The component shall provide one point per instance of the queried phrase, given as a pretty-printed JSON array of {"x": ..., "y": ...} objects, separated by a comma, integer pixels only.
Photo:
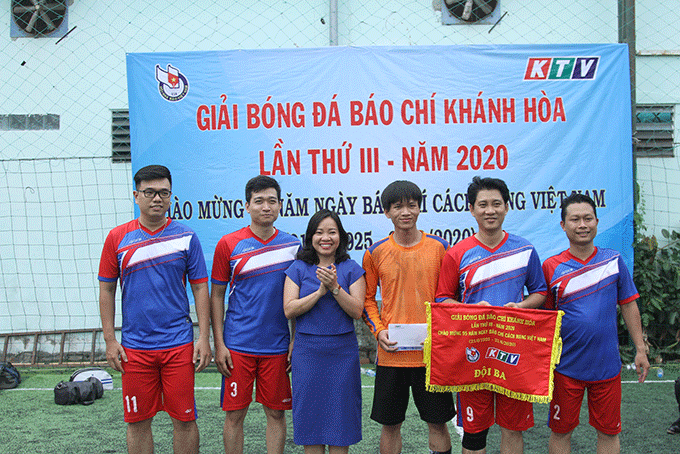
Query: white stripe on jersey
[
  {"x": 160, "y": 249},
  {"x": 270, "y": 258},
  {"x": 591, "y": 277},
  {"x": 501, "y": 266}
]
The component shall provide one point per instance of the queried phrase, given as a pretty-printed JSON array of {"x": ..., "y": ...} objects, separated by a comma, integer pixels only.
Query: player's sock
[{"x": 448, "y": 451}]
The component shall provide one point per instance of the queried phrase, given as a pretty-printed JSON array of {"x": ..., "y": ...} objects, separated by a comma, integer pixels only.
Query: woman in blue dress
[{"x": 324, "y": 292}]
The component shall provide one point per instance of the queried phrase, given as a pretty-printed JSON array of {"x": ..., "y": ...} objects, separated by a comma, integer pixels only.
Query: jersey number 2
[{"x": 556, "y": 415}]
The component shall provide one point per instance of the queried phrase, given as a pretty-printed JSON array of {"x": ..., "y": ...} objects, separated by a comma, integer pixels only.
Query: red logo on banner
[{"x": 537, "y": 69}]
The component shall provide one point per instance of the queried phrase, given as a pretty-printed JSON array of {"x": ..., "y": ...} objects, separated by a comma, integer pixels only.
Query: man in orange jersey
[{"x": 406, "y": 267}]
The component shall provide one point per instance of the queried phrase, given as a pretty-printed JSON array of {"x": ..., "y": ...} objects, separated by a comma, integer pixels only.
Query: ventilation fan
[
  {"x": 470, "y": 11},
  {"x": 39, "y": 18}
]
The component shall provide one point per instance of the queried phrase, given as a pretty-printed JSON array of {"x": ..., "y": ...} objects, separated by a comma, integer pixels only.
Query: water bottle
[
  {"x": 369, "y": 372},
  {"x": 659, "y": 372}
]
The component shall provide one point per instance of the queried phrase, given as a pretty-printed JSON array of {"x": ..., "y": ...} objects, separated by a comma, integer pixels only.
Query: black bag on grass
[
  {"x": 78, "y": 392},
  {"x": 97, "y": 372},
  {"x": 9, "y": 376}
]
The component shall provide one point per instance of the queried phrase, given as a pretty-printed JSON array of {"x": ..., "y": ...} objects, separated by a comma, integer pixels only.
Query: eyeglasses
[{"x": 150, "y": 193}]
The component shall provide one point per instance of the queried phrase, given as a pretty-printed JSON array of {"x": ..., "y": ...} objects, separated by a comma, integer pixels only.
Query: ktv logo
[
  {"x": 561, "y": 68},
  {"x": 504, "y": 357}
]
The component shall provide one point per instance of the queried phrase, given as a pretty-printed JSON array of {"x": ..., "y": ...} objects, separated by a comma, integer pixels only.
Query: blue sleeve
[
  {"x": 294, "y": 272},
  {"x": 535, "y": 277},
  {"x": 349, "y": 272},
  {"x": 355, "y": 272},
  {"x": 196, "y": 268},
  {"x": 626, "y": 286}
]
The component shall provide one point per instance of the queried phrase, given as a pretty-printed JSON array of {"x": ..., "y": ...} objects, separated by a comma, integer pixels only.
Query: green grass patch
[{"x": 33, "y": 423}]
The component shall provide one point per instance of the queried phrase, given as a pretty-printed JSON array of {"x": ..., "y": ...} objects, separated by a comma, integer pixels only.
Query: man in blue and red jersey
[
  {"x": 492, "y": 268},
  {"x": 153, "y": 256},
  {"x": 254, "y": 342},
  {"x": 588, "y": 283}
]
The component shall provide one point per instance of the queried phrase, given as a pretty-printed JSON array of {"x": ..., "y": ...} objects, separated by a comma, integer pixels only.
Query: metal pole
[
  {"x": 333, "y": 22},
  {"x": 627, "y": 35}
]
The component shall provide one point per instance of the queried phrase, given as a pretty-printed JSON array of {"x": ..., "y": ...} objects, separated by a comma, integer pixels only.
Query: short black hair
[
  {"x": 489, "y": 184},
  {"x": 308, "y": 254},
  {"x": 575, "y": 197},
  {"x": 260, "y": 183},
  {"x": 152, "y": 172},
  {"x": 400, "y": 190}
]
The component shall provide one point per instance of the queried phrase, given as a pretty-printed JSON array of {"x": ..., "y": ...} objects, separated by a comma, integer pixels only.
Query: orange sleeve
[{"x": 371, "y": 313}]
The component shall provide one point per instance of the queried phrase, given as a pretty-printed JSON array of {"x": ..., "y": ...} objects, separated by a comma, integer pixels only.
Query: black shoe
[{"x": 674, "y": 428}]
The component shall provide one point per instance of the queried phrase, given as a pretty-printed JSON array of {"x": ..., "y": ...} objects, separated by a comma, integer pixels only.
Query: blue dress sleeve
[{"x": 294, "y": 272}]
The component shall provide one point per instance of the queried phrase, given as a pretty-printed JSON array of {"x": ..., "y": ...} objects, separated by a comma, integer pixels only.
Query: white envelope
[{"x": 409, "y": 336}]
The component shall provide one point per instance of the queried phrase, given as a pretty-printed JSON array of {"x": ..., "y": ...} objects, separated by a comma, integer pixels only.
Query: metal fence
[{"x": 64, "y": 87}]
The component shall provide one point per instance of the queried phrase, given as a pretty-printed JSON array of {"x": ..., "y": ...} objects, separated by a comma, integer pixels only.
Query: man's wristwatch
[{"x": 336, "y": 290}]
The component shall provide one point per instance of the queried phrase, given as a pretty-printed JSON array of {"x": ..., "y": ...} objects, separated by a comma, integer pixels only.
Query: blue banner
[{"x": 335, "y": 125}]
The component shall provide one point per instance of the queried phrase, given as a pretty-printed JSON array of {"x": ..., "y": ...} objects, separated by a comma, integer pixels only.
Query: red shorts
[
  {"x": 156, "y": 380},
  {"x": 273, "y": 382},
  {"x": 476, "y": 411},
  {"x": 604, "y": 404}
]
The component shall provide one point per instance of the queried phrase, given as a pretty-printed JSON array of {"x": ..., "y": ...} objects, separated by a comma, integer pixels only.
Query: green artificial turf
[{"x": 33, "y": 423}]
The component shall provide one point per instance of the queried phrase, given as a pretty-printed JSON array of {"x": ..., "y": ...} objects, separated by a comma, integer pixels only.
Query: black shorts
[{"x": 390, "y": 397}]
